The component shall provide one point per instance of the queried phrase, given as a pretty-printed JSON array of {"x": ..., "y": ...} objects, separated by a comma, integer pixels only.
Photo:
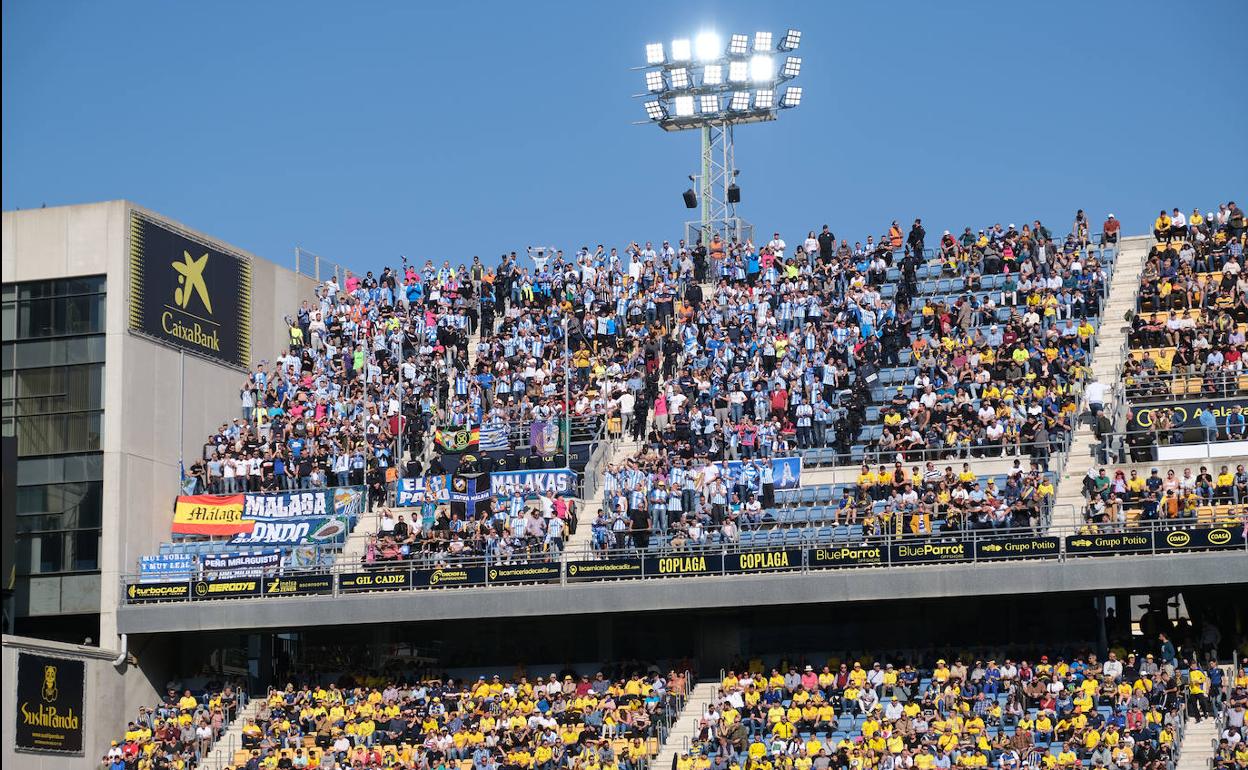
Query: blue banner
[
  {"x": 280, "y": 530},
  {"x": 786, "y": 472},
  {"x": 166, "y": 567},
  {"x": 412, "y": 492},
  {"x": 533, "y": 483}
]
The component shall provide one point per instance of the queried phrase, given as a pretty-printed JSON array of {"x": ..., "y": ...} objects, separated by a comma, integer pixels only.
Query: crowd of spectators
[
  {"x": 691, "y": 504},
  {"x": 573, "y": 722},
  {"x": 177, "y": 733},
  {"x": 516, "y": 526},
  {"x": 1231, "y": 750},
  {"x": 1193, "y": 308},
  {"x": 1216, "y": 493},
  {"x": 781, "y": 357},
  {"x": 1123, "y": 713}
]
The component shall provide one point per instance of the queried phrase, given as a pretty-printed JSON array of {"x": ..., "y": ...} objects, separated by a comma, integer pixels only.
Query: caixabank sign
[
  {"x": 50, "y": 695},
  {"x": 189, "y": 294}
]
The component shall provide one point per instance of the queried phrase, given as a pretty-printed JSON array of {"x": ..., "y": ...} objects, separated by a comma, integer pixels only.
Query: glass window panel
[
  {"x": 85, "y": 550},
  {"x": 8, "y": 321},
  {"x": 51, "y": 553},
  {"x": 58, "y": 433},
  {"x": 35, "y": 319}
]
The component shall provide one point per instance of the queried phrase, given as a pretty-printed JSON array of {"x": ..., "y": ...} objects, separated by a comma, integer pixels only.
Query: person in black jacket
[
  {"x": 915, "y": 239},
  {"x": 827, "y": 244}
]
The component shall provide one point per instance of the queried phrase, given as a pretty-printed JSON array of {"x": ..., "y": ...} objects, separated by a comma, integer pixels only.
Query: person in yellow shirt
[{"x": 1161, "y": 227}]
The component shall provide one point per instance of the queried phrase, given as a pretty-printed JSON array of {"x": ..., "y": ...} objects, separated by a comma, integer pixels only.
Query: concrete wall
[
  {"x": 150, "y": 389},
  {"x": 112, "y": 697},
  {"x": 868, "y": 584}
]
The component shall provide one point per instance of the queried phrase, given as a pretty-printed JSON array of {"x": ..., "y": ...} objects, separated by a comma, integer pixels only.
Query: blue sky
[{"x": 367, "y": 130}]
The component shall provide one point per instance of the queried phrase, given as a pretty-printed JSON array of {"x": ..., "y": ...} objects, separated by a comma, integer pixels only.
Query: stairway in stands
[
  {"x": 685, "y": 728},
  {"x": 222, "y": 754},
  {"x": 1199, "y": 740},
  {"x": 1106, "y": 367},
  {"x": 621, "y": 450}
]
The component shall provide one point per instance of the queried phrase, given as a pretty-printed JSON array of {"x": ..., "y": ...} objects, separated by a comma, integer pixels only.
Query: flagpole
[
  {"x": 399, "y": 454},
  {"x": 567, "y": 397}
]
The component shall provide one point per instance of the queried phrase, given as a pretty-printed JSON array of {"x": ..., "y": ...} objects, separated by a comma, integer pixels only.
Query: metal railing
[
  {"x": 963, "y": 547},
  {"x": 1192, "y": 382},
  {"x": 1176, "y": 444},
  {"x": 317, "y": 267},
  {"x": 999, "y": 450}
]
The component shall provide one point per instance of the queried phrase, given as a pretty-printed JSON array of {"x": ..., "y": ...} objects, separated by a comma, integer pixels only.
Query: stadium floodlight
[
  {"x": 712, "y": 83},
  {"x": 762, "y": 69},
  {"x": 708, "y": 46}
]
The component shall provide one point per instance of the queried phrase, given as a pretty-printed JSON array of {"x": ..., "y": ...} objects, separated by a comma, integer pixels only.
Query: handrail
[
  {"x": 1192, "y": 444},
  {"x": 875, "y": 455},
  {"x": 1060, "y": 543}
]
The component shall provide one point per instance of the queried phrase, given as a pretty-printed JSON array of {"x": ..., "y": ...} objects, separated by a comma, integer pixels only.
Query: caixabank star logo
[{"x": 189, "y": 293}]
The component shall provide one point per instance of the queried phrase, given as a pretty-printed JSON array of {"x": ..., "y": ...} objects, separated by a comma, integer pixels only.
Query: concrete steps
[
  {"x": 685, "y": 728},
  {"x": 1198, "y": 742},
  {"x": 587, "y": 510},
  {"x": 1106, "y": 368},
  {"x": 222, "y": 754}
]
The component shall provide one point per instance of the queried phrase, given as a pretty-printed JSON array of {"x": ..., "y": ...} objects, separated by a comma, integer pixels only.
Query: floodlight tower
[{"x": 703, "y": 84}]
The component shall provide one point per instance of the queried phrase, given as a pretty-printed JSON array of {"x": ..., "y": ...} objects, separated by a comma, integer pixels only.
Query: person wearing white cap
[{"x": 1109, "y": 230}]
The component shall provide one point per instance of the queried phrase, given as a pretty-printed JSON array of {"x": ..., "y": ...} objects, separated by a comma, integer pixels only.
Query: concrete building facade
[{"x": 153, "y": 404}]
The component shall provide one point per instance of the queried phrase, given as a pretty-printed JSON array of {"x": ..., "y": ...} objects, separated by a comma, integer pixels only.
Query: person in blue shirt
[
  {"x": 1235, "y": 427},
  {"x": 1209, "y": 422}
]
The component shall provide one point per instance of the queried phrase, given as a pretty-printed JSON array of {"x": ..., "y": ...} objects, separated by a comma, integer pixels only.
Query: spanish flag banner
[
  {"x": 457, "y": 439},
  {"x": 210, "y": 515}
]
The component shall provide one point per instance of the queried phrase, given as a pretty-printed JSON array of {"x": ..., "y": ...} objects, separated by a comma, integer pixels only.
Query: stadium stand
[
  {"x": 179, "y": 732},
  {"x": 990, "y": 366},
  {"x": 573, "y": 721},
  {"x": 1214, "y": 495},
  {"x": 966, "y": 405},
  {"x": 1187, "y": 338},
  {"x": 1126, "y": 712}
]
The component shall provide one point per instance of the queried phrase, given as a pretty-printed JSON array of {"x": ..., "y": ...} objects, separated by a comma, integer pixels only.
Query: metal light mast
[{"x": 706, "y": 86}]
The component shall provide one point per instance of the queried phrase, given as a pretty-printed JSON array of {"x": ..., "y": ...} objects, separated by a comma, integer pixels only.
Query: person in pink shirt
[{"x": 660, "y": 412}]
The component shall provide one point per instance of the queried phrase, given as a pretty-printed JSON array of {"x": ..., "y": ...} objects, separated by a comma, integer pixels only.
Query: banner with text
[
  {"x": 533, "y": 483},
  {"x": 259, "y": 563},
  {"x": 281, "y": 530},
  {"x": 188, "y": 293},
  {"x": 209, "y": 515},
  {"x": 167, "y": 567},
  {"x": 48, "y": 709}
]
